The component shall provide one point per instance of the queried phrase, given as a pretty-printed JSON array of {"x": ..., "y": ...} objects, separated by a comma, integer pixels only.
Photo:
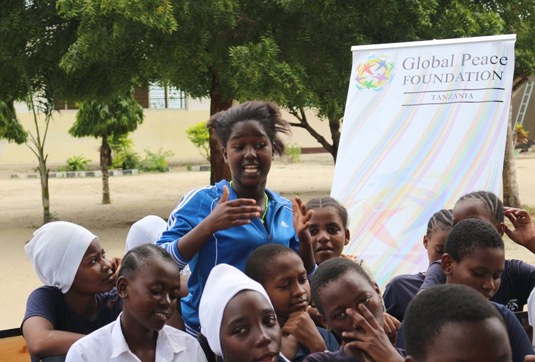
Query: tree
[
  {"x": 37, "y": 143},
  {"x": 191, "y": 52},
  {"x": 33, "y": 39},
  {"x": 308, "y": 66},
  {"x": 294, "y": 52},
  {"x": 10, "y": 128},
  {"x": 116, "y": 117},
  {"x": 519, "y": 18},
  {"x": 305, "y": 61}
]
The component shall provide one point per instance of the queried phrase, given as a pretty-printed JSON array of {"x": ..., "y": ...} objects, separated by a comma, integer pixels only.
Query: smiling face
[
  {"x": 249, "y": 329},
  {"x": 347, "y": 291},
  {"x": 95, "y": 273},
  {"x": 470, "y": 341},
  {"x": 481, "y": 270},
  {"x": 149, "y": 295},
  {"x": 328, "y": 234},
  {"x": 287, "y": 285},
  {"x": 249, "y": 152}
]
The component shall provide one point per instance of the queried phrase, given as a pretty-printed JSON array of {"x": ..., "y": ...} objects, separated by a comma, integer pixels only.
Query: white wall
[{"x": 163, "y": 129}]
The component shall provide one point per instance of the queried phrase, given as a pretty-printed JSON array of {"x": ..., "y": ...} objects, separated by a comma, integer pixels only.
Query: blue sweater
[{"x": 231, "y": 246}]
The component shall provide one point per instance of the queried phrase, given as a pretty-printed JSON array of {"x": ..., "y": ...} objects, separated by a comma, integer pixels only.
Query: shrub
[
  {"x": 123, "y": 155},
  {"x": 293, "y": 153},
  {"x": 127, "y": 161},
  {"x": 156, "y": 161},
  {"x": 75, "y": 163},
  {"x": 200, "y": 136}
]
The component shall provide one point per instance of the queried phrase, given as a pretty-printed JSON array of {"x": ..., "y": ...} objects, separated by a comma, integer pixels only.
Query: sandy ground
[{"x": 78, "y": 200}]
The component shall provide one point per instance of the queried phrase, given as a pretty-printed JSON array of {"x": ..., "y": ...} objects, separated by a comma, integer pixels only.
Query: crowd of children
[{"x": 268, "y": 280}]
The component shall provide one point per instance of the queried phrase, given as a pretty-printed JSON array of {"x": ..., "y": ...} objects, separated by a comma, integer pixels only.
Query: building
[{"x": 168, "y": 113}]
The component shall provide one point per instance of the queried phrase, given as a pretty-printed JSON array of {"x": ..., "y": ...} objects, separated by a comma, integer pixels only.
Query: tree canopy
[
  {"x": 116, "y": 117},
  {"x": 294, "y": 52}
]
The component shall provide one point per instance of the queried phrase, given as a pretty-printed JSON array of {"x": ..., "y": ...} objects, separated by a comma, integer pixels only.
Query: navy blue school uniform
[
  {"x": 400, "y": 291},
  {"x": 518, "y": 280},
  {"x": 49, "y": 303}
]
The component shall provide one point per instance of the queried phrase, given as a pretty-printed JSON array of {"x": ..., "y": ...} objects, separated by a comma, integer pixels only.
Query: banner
[{"x": 425, "y": 123}]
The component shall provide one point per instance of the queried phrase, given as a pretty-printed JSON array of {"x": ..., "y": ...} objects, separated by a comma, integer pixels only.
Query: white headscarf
[
  {"x": 145, "y": 231},
  {"x": 223, "y": 283},
  {"x": 56, "y": 251}
]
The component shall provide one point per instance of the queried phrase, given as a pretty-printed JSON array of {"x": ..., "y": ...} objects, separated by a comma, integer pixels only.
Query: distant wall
[
  {"x": 163, "y": 129},
  {"x": 529, "y": 119}
]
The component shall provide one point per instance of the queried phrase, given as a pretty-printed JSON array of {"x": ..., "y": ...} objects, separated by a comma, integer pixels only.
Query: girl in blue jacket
[{"x": 225, "y": 222}]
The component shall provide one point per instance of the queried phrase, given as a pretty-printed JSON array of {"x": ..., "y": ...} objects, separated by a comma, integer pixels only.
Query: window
[
  {"x": 61, "y": 105},
  {"x": 162, "y": 97}
]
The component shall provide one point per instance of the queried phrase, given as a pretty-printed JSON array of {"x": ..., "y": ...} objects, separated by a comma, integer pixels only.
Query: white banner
[{"x": 425, "y": 123}]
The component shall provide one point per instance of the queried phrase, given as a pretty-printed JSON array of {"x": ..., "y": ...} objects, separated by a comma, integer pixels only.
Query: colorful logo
[{"x": 375, "y": 74}]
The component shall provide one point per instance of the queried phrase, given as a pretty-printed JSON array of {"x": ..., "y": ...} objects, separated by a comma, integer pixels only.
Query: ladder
[
  {"x": 526, "y": 96},
  {"x": 524, "y": 103}
]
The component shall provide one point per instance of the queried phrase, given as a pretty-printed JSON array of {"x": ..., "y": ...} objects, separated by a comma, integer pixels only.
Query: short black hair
[
  {"x": 266, "y": 113},
  {"x": 435, "y": 307},
  {"x": 441, "y": 220},
  {"x": 321, "y": 202},
  {"x": 490, "y": 200},
  {"x": 137, "y": 257},
  {"x": 330, "y": 270},
  {"x": 260, "y": 261},
  {"x": 469, "y": 234}
]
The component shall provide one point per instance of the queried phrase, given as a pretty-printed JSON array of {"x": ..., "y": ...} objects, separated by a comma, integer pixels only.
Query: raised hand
[
  {"x": 301, "y": 221},
  {"x": 232, "y": 213},
  {"x": 524, "y": 232},
  {"x": 301, "y": 218},
  {"x": 225, "y": 215}
]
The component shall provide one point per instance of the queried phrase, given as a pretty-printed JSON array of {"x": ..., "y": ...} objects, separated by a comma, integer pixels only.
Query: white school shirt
[
  {"x": 108, "y": 344},
  {"x": 531, "y": 312}
]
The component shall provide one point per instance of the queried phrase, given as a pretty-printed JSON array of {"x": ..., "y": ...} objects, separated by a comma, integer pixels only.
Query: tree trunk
[
  {"x": 219, "y": 169},
  {"x": 334, "y": 126},
  {"x": 510, "y": 185},
  {"x": 45, "y": 196},
  {"x": 105, "y": 162}
]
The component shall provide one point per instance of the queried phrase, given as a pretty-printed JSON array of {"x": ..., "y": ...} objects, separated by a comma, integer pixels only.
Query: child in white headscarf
[
  {"x": 237, "y": 318},
  {"x": 76, "y": 298},
  {"x": 145, "y": 231}
]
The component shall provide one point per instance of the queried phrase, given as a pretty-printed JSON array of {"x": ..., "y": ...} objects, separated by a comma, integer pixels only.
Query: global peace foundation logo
[{"x": 375, "y": 74}]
